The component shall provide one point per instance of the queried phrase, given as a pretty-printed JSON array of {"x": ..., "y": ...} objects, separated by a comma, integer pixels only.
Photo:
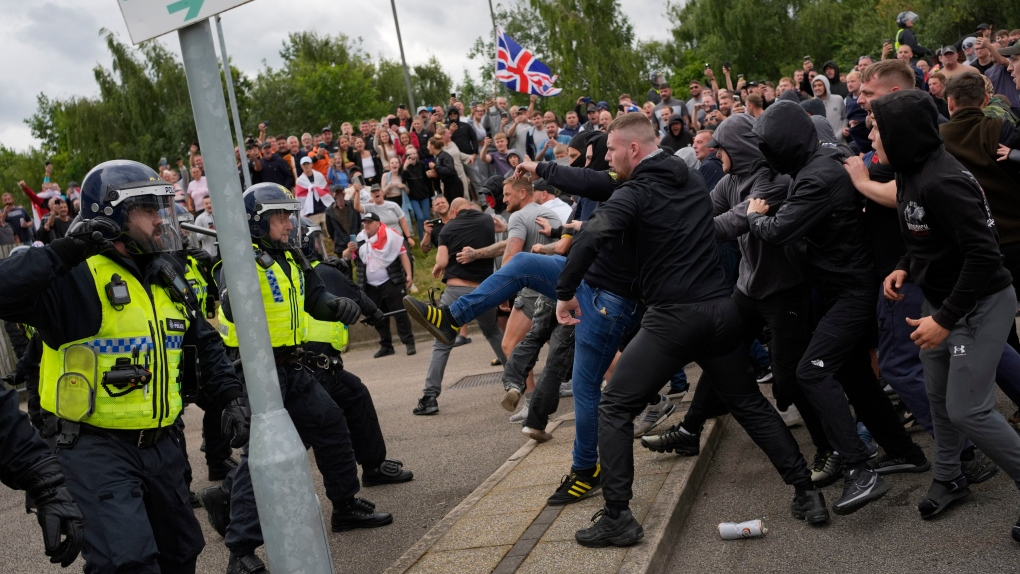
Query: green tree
[
  {"x": 323, "y": 79},
  {"x": 431, "y": 83},
  {"x": 143, "y": 112}
]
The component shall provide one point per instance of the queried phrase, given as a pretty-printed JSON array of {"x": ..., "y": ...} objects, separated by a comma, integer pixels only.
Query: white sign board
[{"x": 147, "y": 19}]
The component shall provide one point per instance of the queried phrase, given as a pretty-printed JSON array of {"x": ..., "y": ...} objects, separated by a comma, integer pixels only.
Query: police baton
[{"x": 196, "y": 229}]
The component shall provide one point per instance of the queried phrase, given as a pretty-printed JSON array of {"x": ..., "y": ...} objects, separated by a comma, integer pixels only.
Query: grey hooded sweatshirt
[
  {"x": 765, "y": 268},
  {"x": 835, "y": 109}
]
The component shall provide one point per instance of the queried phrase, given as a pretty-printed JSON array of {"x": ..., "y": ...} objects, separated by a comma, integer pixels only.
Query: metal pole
[
  {"x": 400, "y": 42},
  {"x": 291, "y": 518},
  {"x": 229, "y": 74},
  {"x": 495, "y": 48}
]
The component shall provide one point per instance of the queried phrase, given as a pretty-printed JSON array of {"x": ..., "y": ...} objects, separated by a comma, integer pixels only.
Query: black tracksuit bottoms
[
  {"x": 672, "y": 335},
  {"x": 788, "y": 316},
  {"x": 836, "y": 367}
]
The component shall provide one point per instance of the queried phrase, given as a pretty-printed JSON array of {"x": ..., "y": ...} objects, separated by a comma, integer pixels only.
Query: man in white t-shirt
[
  {"x": 384, "y": 272},
  {"x": 312, "y": 190},
  {"x": 205, "y": 219},
  {"x": 545, "y": 196}
]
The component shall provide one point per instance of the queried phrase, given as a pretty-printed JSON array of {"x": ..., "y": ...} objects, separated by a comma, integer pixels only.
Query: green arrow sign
[{"x": 192, "y": 6}]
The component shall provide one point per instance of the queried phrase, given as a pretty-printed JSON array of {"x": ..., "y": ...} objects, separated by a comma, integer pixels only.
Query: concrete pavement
[{"x": 886, "y": 536}]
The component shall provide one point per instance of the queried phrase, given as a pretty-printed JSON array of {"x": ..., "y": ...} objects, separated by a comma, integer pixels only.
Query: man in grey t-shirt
[{"x": 522, "y": 234}]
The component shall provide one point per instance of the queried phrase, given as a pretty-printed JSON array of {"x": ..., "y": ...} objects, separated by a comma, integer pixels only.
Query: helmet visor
[
  {"x": 150, "y": 224},
  {"x": 314, "y": 246}
]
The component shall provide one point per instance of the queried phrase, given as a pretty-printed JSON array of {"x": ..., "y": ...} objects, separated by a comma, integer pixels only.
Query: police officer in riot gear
[
  {"x": 290, "y": 288},
  {"x": 325, "y": 341},
  {"x": 115, "y": 318}
]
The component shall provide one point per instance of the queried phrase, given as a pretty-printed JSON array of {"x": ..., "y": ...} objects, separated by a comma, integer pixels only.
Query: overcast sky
[{"x": 53, "y": 45}]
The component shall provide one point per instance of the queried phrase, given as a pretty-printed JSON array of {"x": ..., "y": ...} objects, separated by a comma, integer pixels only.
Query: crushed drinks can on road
[{"x": 738, "y": 530}]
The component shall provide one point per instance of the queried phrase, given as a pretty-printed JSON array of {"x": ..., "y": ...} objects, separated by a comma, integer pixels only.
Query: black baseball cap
[
  {"x": 369, "y": 216},
  {"x": 982, "y": 26},
  {"x": 327, "y": 129},
  {"x": 267, "y": 144},
  {"x": 950, "y": 49}
]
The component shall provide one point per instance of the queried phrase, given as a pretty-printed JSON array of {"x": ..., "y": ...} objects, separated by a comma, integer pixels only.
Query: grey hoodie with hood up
[
  {"x": 835, "y": 108},
  {"x": 765, "y": 268}
]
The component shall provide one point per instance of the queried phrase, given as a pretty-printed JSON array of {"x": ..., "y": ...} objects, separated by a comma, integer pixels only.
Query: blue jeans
[
  {"x": 605, "y": 318},
  {"x": 421, "y": 210},
  {"x": 539, "y": 272},
  {"x": 898, "y": 356}
]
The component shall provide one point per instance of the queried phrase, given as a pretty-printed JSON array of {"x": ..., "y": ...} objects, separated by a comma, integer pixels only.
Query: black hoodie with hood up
[
  {"x": 765, "y": 269},
  {"x": 952, "y": 244},
  {"x": 822, "y": 208},
  {"x": 676, "y": 142},
  {"x": 835, "y": 86}
]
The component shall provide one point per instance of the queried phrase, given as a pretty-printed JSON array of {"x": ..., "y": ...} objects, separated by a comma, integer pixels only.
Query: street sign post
[
  {"x": 147, "y": 19},
  {"x": 289, "y": 511}
]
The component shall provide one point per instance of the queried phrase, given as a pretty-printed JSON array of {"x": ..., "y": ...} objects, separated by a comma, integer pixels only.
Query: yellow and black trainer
[
  {"x": 435, "y": 318},
  {"x": 576, "y": 485}
]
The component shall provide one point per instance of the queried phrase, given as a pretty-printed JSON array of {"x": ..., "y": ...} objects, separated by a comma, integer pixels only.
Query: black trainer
[
  {"x": 410, "y": 349},
  {"x": 358, "y": 513},
  {"x": 219, "y": 470},
  {"x": 860, "y": 486},
  {"x": 886, "y": 464},
  {"x": 1016, "y": 531},
  {"x": 217, "y": 507},
  {"x": 622, "y": 531},
  {"x": 389, "y": 472},
  {"x": 426, "y": 406},
  {"x": 978, "y": 469},
  {"x": 193, "y": 500},
  {"x": 576, "y": 485},
  {"x": 941, "y": 495},
  {"x": 435, "y": 318},
  {"x": 247, "y": 564},
  {"x": 810, "y": 506},
  {"x": 383, "y": 352},
  {"x": 674, "y": 440}
]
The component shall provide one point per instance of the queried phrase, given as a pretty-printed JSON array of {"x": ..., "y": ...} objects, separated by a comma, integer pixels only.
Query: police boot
[
  {"x": 219, "y": 470},
  {"x": 217, "y": 505},
  {"x": 358, "y": 513},
  {"x": 247, "y": 564}
]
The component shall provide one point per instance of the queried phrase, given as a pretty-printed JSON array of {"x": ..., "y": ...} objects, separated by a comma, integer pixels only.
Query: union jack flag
[{"x": 520, "y": 71}]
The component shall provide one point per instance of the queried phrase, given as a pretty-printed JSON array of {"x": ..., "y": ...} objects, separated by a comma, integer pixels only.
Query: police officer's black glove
[
  {"x": 345, "y": 310},
  {"x": 375, "y": 318},
  {"x": 202, "y": 256},
  {"x": 58, "y": 514},
  {"x": 236, "y": 421},
  {"x": 86, "y": 238},
  {"x": 11, "y": 380}
]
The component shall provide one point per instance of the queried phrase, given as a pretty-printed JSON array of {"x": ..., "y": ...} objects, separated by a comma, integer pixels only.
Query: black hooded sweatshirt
[
  {"x": 676, "y": 142},
  {"x": 664, "y": 216},
  {"x": 835, "y": 86},
  {"x": 823, "y": 208},
  {"x": 952, "y": 244}
]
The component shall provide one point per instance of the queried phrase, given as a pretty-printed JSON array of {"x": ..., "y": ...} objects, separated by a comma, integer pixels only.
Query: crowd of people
[
  {"x": 852, "y": 239},
  {"x": 836, "y": 218}
]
